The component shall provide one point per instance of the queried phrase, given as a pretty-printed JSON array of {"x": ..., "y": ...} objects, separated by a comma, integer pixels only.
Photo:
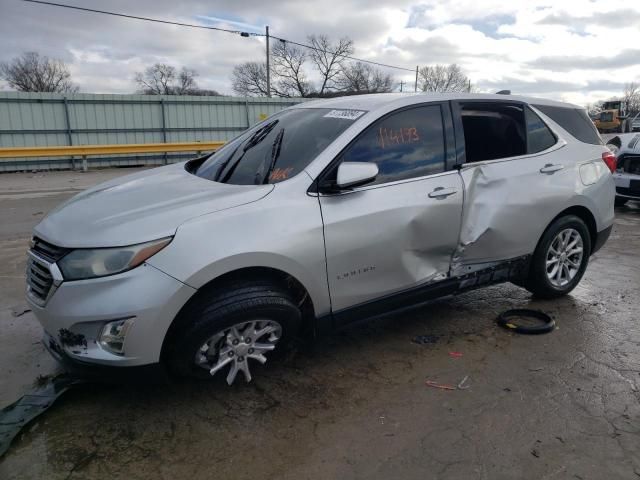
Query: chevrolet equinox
[{"x": 324, "y": 214}]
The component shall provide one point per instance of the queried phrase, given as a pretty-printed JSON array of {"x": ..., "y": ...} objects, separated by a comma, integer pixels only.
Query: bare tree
[
  {"x": 32, "y": 72},
  {"x": 163, "y": 79},
  {"x": 250, "y": 79},
  {"x": 361, "y": 77},
  {"x": 287, "y": 62},
  {"x": 443, "y": 78},
  {"x": 157, "y": 79},
  {"x": 631, "y": 96},
  {"x": 186, "y": 81},
  {"x": 329, "y": 58}
]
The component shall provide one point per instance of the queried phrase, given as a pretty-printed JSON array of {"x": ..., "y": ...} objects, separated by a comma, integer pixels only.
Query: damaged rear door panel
[{"x": 509, "y": 201}]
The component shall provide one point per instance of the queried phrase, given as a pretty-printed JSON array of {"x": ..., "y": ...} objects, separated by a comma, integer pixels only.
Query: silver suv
[{"x": 324, "y": 214}]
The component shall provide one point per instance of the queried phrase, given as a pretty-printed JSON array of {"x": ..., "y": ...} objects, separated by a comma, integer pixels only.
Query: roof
[{"x": 375, "y": 101}]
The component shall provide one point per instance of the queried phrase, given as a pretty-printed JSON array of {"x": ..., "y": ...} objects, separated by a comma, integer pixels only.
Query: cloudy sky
[{"x": 572, "y": 50}]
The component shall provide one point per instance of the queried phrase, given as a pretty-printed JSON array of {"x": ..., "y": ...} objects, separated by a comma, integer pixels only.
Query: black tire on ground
[
  {"x": 238, "y": 303},
  {"x": 537, "y": 282},
  {"x": 620, "y": 201}
]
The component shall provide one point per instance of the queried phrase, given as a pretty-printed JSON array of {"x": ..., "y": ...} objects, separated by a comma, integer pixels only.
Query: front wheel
[
  {"x": 231, "y": 331},
  {"x": 560, "y": 259}
]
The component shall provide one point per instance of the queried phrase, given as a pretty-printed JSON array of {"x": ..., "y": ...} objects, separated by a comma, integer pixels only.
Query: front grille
[
  {"x": 629, "y": 163},
  {"x": 39, "y": 279},
  {"x": 48, "y": 250}
]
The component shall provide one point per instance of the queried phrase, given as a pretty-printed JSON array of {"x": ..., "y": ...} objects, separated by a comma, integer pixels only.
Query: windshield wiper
[
  {"x": 254, "y": 140},
  {"x": 275, "y": 154}
]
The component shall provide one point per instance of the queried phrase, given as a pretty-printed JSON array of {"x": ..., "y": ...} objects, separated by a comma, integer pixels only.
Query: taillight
[{"x": 610, "y": 159}]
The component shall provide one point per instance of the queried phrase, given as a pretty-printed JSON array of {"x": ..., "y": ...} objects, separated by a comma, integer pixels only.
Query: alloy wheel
[
  {"x": 564, "y": 257},
  {"x": 236, "y": 345}
]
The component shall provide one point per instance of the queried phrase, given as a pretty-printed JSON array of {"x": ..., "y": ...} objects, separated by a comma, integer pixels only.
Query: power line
[
  {"x": 147, "y": 19},
  {"x": 236, "y": 32},
  {"x": 339, "y": 55}
]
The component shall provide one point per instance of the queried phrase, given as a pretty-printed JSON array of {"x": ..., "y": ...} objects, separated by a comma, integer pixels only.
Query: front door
[{"x": 401, "y": 230}]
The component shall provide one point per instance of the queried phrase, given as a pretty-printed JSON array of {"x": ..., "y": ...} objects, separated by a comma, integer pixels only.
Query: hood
[{"x": 140, "y": 207}]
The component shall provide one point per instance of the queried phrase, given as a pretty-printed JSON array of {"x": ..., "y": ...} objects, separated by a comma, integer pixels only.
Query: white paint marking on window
[{"x": 345, "y": 114}]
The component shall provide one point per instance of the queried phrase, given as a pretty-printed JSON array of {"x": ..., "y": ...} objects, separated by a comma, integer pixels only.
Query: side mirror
[{"x": 354, "y": 174}]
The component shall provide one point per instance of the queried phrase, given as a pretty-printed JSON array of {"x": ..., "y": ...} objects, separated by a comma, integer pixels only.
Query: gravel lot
[{"x": 355, "y": 404}]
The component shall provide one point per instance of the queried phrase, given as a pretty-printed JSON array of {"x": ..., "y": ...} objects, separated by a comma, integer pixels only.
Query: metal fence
[{"x": 48, "y": 119}]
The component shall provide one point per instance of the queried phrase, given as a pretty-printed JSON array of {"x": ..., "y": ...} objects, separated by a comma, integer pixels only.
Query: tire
[
  {"x": 619, "y": 202},
  {"x": 239, "y": 304},
  {"x": 539, "y": 281}
]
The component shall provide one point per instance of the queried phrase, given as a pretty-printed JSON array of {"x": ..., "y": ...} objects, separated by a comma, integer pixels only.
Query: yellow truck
[{"x": 613, "y": 118}]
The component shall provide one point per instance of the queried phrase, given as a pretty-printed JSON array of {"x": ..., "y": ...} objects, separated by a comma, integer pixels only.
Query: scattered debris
[
  {"x": 425, "y": 339},
  {"x": 20, "y": 310},
  {"x": 443, "y": 386},
  {"x": 535, "y": 453},
  {"x": 440, "y": 386},
  {"x": 524, "y": 320},
  {"x": 16, "y": 416},
  {"x": 536, "y": 369},
  {"x": 456, "y": 354}
]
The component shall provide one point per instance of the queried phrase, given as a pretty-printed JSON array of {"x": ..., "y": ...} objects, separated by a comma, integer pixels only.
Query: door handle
[
  {"x": 550, "y": 168},
  {"x": 441, "y": 192}
]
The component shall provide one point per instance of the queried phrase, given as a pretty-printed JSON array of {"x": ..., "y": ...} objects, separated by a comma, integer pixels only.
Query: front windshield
[{"x": 278, "y": 148}]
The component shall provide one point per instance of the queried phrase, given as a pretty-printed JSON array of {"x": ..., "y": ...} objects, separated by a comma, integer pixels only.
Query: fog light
[{"x": 113, "y": 335}]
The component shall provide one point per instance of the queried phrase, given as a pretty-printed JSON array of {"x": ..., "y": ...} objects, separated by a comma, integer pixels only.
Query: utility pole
[
  {"x": 415, "y": 88},
  {"x": 401, "y": 84},
  {"x": 268, "y": 64}
]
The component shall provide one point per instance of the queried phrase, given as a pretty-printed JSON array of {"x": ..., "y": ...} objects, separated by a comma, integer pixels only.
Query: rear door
[
  {"x": 401, "y": 230},
  {"x": 514, "y": 175}
]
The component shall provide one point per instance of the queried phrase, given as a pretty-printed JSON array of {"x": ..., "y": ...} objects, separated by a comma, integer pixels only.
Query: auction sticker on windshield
[{"x": 345, "y": 114}]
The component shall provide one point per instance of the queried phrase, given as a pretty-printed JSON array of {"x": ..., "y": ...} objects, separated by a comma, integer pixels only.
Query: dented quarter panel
[{"x": 387, "y": 238}]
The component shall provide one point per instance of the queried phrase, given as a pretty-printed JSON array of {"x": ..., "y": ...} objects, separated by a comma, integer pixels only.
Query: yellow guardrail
[{"x": 88, "y": 150}]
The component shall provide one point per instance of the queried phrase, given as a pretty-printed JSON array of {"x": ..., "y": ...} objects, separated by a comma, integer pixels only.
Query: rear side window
[
  {"x": 573, "y": 120},
  {"x": 539, "y": 137},
  {"x": 493, "y": 130},
  {"x": 406, "y": 144}
]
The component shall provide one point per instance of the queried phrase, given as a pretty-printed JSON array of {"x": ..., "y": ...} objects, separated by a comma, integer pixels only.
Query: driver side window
[{"x": 406, "y": 144}]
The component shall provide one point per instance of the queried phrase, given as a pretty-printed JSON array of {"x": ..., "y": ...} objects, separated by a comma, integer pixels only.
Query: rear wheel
[
  {"x": 560, "y": 259},
  {"x": 233, "y": 331}
]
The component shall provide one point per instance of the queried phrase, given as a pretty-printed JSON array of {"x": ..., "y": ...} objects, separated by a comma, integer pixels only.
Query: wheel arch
[
  {"x": 584, "y": 214},
  {"x": 235, "y": 277}
]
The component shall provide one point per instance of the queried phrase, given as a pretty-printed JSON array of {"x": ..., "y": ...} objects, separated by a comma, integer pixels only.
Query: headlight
[{"x": 91, "y": 263}]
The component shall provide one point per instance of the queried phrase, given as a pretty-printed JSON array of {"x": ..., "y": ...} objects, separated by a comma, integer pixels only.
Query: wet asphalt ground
[{"x": 565, "y": 405}]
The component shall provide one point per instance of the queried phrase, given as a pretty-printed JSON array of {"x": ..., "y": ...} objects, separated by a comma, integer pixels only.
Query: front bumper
[
  {"x": 153, "y": 373},
  {"x": 81, "y": 308}
]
